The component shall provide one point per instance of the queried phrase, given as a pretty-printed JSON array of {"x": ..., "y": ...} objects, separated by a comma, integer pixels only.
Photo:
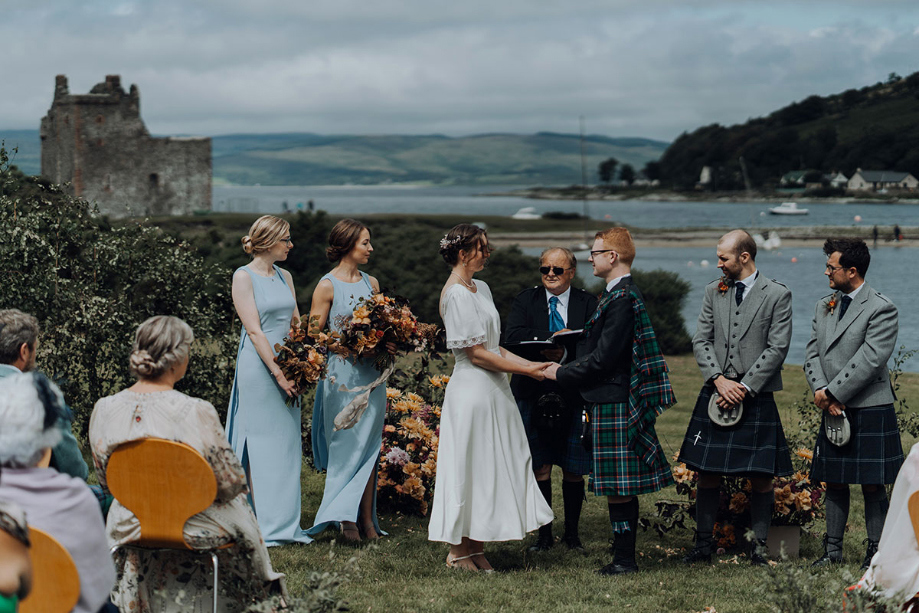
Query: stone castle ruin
[{"x": 98, "y": 143}]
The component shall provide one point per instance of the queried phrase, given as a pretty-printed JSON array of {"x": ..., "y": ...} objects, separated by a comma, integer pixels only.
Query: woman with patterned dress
[
  {"x": 486, "y": 490},
  {"x": 351, "y": 456},
  {"x": 151, "y": 408},
  {"x": 15, "y": 562},
  {"x": 263, "y": 430}
]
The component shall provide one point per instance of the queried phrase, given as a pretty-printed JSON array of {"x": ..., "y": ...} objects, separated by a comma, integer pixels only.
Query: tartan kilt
[
  {"x": 565, "y": 451},
  {"x": 873, "y": 456},
  {"x": 755, "y": 446},
  {"x": 617, "y": 470}
]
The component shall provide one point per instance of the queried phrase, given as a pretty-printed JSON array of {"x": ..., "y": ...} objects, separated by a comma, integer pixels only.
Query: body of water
[{"x": 352, "y": 200}]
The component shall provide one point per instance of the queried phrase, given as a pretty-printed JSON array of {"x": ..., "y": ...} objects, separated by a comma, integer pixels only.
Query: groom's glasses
[{"x": 556, "y": 270}]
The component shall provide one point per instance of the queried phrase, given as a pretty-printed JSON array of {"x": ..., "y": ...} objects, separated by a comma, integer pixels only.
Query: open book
[{"x": 532, "y": 350}]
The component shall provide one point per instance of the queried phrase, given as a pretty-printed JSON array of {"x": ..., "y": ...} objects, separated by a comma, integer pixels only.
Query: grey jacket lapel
[
  {"x": 854, "y": 310},
  {"x": 751, "y": 304},
  {"x": 722, "y": 308}
]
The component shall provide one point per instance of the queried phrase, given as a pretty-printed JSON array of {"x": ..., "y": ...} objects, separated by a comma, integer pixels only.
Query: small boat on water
[
  {"x": 788, "y": 208},
  {"x": 527, "y": 212}
]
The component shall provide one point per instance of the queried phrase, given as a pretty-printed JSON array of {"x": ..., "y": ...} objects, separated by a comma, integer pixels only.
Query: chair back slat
[
  {"x": 163, "y": 483},
  {"x": 55, "y": 581}
]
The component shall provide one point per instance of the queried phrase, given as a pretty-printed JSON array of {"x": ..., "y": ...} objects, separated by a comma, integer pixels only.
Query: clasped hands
[
  {"x": 730, "y": 392},
  {"x": 825, "y": 400}
]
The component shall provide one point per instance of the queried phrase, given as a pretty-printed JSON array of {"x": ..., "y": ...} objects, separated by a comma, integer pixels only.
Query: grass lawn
[{"x": 406, "y": 572}]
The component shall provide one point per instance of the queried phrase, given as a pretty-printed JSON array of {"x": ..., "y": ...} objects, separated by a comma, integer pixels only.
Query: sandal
[
  {"x": 350, "y": 532},
  {"x": 452, "y": 562},
  {"x": 368, "y": 530},
  {"x": 487, "y": 571}
]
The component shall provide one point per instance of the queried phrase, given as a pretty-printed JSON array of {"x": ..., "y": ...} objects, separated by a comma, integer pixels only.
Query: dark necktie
[
  {"x": 556, "y": 322},
  {"x": 844, "y": 306},
  {"x": 738, "y": 292}
]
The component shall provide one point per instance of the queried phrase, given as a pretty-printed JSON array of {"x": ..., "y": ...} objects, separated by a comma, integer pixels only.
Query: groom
[{"x": 621, "y": 373}]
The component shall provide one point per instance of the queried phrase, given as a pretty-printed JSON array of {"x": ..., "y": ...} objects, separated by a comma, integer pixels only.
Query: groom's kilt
[
  {"x": 872, "y": 456},
  {"x": 755, "y": 446},
  {"x": 619, "y": 471}
]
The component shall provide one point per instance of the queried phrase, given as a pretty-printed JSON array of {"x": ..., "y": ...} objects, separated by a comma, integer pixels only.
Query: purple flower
[{"x": 397, "y": 457}]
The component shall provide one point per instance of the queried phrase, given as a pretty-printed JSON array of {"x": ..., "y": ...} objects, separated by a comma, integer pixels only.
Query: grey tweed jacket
[
  {"x": 754, "y": 336},
  {"x": 849, "y": 356}
]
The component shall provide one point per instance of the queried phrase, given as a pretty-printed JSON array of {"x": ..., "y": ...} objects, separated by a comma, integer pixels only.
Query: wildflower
[
  {"x": 397, "y": 457},
  {"x": 739, "y": 503},
  {"x": 805, "y": 454},
  {"x": 393, "y": 394}
]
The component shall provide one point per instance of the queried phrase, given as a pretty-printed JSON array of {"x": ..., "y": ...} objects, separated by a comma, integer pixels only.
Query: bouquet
[
  {"x": 303, "y": 356},
  {"x": 382, "y": 319}
]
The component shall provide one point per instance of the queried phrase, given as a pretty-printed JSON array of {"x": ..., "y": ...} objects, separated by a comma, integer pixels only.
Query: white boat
[
  {"x": 527, "y": 212},
  {"x": 788, "y": 208}
]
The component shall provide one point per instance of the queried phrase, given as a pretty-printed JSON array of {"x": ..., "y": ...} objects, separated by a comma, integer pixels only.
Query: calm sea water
[
  {"x": 351, "y": 200},
  {"x": 804, "y": 276}
]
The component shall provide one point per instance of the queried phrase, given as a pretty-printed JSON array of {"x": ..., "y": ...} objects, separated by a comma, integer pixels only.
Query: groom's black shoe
[
  {"x": 619, "y": 569},
  {"x": 545, "y": 540}
]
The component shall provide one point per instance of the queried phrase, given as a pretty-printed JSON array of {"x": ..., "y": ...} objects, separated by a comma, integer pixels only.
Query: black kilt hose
[
  {"x": 754, "y": 447},
  {"x": 872, "y": 456},
  {"x": 564, "y": 448}
]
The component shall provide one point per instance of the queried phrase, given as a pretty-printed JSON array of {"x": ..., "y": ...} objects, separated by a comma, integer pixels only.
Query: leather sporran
[
  {"x": 723, "y": 417},
  {"x": 837, "y": 428},
  {"x": 551, "y": 416}
]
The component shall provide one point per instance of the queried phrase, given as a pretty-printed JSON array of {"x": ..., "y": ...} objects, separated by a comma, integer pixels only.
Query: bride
[{"x": 485, "y": 488}]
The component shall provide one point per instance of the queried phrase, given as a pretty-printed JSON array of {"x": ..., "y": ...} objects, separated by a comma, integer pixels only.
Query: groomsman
[
  {"x": 854, "y": 333},
  {"x": 740, "y": 344},
  {"x": 537, "y": 314},
  {"x": 621, "y": 373}
]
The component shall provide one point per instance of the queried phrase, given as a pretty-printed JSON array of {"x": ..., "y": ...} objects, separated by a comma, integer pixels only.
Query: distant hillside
[
  {"x": 310, "y": 159},
  {"x": 873, "y": 128},
  {"x": 313, "y": 159}
]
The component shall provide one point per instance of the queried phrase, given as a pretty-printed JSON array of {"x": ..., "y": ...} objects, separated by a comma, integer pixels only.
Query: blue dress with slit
[
  {"x": 349, "y": 457},
  {"x": 263, "y": 431}
]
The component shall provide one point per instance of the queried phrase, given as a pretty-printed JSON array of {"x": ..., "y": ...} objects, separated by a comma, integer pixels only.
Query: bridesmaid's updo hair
[
  {"x": 463, "y": 237},
  {"x": 159, "y": 343},
  {"x": 343, "y": 238},
  {"x": 265, "y": 233}
]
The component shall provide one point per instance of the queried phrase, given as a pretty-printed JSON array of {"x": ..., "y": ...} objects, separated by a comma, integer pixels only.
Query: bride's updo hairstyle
[
  {"x": 343, "y": 238},
  {"x": 463, "y": 237},
  {"x": 265, "y": 233},
  {"x": 159, "y": 343}
]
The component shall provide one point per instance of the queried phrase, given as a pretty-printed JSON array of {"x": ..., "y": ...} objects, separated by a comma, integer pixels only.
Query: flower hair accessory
[{"x": 448, "y": 242}]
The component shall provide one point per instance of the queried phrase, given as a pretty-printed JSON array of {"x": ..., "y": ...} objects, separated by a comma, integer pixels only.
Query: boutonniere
[
  {"x": 830, "y": 305},
  {"x": 723, "y": 285}
]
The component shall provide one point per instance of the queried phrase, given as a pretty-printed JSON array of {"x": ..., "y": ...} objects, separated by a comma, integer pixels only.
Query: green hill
[
  {"x": 873, "y": 128},
  {"x": 312, "y": 159}
]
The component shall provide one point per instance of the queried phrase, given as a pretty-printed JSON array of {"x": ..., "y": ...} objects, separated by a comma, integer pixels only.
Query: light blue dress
[
  {"x": 263, "y": 431},
  {"x": 350, "y": 456}
]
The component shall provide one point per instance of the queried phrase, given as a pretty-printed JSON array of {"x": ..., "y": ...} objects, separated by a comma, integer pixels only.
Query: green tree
[
  {"x": 627, "y": 174},
  {"x": 652, "y": 171},
  {"x": 607, "y": 170}
]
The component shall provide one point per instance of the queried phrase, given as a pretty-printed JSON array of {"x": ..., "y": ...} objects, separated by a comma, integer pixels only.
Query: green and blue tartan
[{"x": 628, "y": 459}]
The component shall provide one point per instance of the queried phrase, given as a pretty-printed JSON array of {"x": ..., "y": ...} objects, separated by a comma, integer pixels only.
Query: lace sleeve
[{"x": 462, "y": 322}]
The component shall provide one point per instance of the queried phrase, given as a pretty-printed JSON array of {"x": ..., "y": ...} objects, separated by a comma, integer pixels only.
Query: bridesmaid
[
  {"x": 263, "y": 430},
  {"x": 351, "y": 456}
]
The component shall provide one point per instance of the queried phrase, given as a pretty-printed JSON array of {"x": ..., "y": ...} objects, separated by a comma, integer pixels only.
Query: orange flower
[
  {"x": 392, "y": 393},
  {"x": 805, "y": 454},
  {"x": 681, "y": 474},
  {"x": 803, "y": 501},
  {"x": 739, "y": 503},
  {"x": 722, "y": 285},
  {"x": 415, "y": 398},
  {"x": 831, "y": 305},
  {"x": 389, "y": 428},
  {"x": 361, "y": 315}
]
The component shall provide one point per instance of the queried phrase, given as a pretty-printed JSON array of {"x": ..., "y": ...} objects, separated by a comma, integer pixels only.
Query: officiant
[{"x": 551, "y": 416}]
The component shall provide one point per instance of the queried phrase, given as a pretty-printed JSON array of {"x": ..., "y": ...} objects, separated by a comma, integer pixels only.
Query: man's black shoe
[
  {"x": 544, "y": 542},
  {"x": 618, "y": 569},
  {"x": 758, "y": 553},
  {"x": 826, "y": 560},
  {"x": 697, "y": 555},
  {"x": 573, "y": 542},
  {"x": 872, "y": 549}
]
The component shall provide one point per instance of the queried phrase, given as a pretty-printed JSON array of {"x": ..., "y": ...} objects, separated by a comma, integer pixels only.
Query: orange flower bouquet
[
  {"x": 382, "y": 319},
  {"x": 303, "y": 356}
]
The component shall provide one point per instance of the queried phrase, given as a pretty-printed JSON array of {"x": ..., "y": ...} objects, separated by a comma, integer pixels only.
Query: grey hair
[
  {"x": 16, "y": 328},
  {"x": 572, "y": 259},
  {"x": 25, "y": 430},
  {"x": 160, "y": 343}
]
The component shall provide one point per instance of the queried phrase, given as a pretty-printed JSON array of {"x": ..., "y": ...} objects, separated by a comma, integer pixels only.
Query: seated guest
[
  {"x": 894, "y": 569},
  {"x": 151, "y": 408},
  {"x": 15, "y": 563},
  {"x": 61, "y": 505},
  {"x": 18, "y": 348}
]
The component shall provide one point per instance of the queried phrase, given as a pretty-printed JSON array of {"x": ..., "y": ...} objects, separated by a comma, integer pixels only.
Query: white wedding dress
[{"x": 485, "y": 487}]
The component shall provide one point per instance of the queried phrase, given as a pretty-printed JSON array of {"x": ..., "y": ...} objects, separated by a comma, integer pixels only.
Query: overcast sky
[{"x": 651, "y": 68}]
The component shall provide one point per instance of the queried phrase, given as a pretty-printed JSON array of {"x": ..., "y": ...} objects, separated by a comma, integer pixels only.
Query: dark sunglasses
[{"x": 556, "y": 270}]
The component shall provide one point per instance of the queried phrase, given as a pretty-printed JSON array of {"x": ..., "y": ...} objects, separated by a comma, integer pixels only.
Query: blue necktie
[
  {"x": 556, "y": 322},
  {"x": 738, "y": 292},
  {"x": 843, "y": 307}
]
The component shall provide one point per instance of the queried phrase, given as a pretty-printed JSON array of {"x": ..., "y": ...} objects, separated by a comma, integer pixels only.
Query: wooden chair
[
  {"x": 55, "y": 581},
  {"x": 163, "y": 483}
]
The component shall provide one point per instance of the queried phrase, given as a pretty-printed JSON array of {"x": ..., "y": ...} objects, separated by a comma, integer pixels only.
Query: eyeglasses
[
  {"x": 555, "y": 270},
  {"x": 833, "y": 269},
  {"x": 595, "y": 253},
  {"x": 289, "y": 242}
]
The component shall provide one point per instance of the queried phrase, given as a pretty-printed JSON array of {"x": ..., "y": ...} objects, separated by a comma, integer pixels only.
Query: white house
[
  {"x": 837, "y": 179},
  {"x": 875, "y": 180}
]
